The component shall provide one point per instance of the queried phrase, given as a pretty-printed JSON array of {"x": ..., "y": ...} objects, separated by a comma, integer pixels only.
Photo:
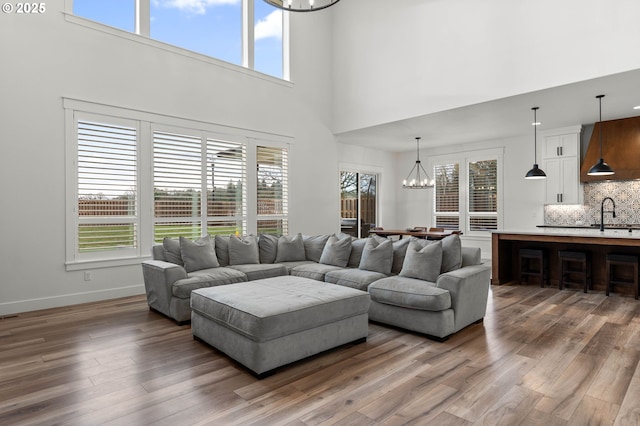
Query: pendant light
[
  {"x": 420, "y": 179},
  {"x": 600, "y": 168},
  {"x": 302, "y": 5},
  {"x": 535, "y": 172}
]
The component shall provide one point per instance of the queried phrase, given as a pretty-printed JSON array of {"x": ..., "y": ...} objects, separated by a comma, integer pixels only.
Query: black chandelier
[{"x": 302, "y": 5}]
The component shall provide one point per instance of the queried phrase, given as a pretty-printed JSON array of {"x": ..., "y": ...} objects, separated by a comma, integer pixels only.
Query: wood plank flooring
[{"x": 542, "y": 356}]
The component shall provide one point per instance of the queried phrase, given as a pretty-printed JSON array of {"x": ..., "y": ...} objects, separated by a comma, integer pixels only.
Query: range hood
[{"x": 620, "y": 149}]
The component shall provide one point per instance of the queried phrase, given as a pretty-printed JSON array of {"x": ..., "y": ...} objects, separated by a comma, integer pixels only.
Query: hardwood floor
[{"x": 543, "y": 356}]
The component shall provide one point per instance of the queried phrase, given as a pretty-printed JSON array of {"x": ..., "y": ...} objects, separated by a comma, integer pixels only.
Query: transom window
[{"x": 217, "y": 28}]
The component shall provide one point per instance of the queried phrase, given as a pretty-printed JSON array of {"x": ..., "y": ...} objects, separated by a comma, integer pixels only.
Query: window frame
[
  {"x": 360, "y": 170},
  {"x": 464, "y": 159},
  {"x": 73, "y": 218},
  {"x": 142, "y": 34},
  {"x": 147, "y": 123}
]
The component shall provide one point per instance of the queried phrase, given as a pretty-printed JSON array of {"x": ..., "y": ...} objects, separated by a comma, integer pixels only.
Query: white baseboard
[{"x": 12, "y": 308}]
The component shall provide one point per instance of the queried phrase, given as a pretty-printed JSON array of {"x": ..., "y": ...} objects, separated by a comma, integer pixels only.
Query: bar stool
[
  {"x": 534, "y": 263},
  {"x": 577, "y": 265},
  {"x": 614, "y": 260}
]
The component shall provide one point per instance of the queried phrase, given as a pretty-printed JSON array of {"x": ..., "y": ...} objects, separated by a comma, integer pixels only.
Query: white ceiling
[{"x": 561, "y": 106}]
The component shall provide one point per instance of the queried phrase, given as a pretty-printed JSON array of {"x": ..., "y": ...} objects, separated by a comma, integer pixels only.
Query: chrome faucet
[{"x": 602, "y": 212}]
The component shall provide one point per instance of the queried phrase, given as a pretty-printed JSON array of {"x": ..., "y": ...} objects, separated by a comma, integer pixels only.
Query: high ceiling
[{"x": 561, "y": 106}]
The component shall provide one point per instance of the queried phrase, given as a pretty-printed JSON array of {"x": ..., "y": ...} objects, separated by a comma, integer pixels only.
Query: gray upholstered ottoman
[{"x": 268, "y": 323}]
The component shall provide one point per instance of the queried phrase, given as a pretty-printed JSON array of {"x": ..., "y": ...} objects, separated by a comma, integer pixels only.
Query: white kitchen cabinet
[{"x": 561, "y": 163}]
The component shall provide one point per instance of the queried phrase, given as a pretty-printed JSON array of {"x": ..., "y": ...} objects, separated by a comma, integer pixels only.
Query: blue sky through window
[{"x": 210, "y": 27}]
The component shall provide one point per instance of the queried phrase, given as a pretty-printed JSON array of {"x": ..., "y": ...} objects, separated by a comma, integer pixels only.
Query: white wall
[
  {"x": 45, "y": 58},
  {"x": 407, "y": 58}
]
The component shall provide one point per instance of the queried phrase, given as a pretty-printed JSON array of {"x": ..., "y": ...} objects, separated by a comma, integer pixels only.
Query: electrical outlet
[{"x": 87, "y": 276}]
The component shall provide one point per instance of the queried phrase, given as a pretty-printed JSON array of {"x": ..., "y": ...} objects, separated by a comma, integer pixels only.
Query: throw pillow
[
  {"x": 199, "y": 254},
  {"x": 422, "y": 262},
  {"x": 243, "y": 251},
  {"x": 222, "y": 249},
  {"x": 268, "y": 246},
  {"x": 171, "y": 248},
  {"x": 313, "y": 246},
  {"x": 357, "y": 246},
  {"x": 290, "y": 249},
  {"x": 377, "y": 256},
  {"x": 399, "y": 250},
  {"x": 336, "y": 252},
  {"x": 451, "y": 253}
]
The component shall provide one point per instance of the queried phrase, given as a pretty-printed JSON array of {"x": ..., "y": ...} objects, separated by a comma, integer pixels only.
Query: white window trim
[
  {"x": 464, "y": 158},
  {"x": 149, "y": 121}
]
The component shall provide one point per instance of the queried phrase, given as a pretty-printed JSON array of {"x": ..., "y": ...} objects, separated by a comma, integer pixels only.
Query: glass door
[{"x": 358, "y": 203}]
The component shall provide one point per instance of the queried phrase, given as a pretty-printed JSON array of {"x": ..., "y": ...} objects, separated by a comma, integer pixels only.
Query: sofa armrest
[
  {"x": 469, "y": 289},
  {"x": 159, "y": 276}
]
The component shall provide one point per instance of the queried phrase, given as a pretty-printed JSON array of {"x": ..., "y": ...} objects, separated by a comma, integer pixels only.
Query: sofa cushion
[
  {"x": 377, "y": 256},
  {"x": 268, "y": 247},
  {"x": 357, "y": 247},
  {"x": 399, "y": 251},
  {"x": 171, "y": 249},
  {"x": 336, "y": 252},
  {"x": 410, "y": 293},
  {"x": 290, "y": 249},
  {"x": 221, "y": 244},
  {"x": 291, "y": 265},
  {"x": 198, "y": 254},
  {"x": 451, "y": 253},
  {"x": 243, "y": 251},
  {"x": 313, "y": 246},
  {"x": 313, "y": 271},
  {"x": 206, "y": 278},
  {"x": 355, "y": 278},
  {"x": 260, "y": 271},
  {"x": 422, "y": 263}
]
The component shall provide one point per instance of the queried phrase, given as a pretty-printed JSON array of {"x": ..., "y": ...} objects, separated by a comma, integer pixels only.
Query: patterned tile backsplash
[{"x": 625, "y": 193}]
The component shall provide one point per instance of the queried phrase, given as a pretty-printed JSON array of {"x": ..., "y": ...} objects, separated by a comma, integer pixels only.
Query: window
[
  {"x": 184, "y": 171},
  {"x": 272, "y": 189},
  {"x": 483, "y": 195},
  {"x": 116, "y": 13},
  {"x": 227, "y": 180},
  {"x": 358, "y": 202},
  {"x": 268, "y": 48},
  {"x": 211, "y": 28},
  {"x": 177, "y": 185},
  {"x": 218, "y": 29},
  {"x": 467, "y": 192},
  {"x": 107, "y": 194},
  {"x": 447, "y": 196},
  {"x": 136, "y": 177}
]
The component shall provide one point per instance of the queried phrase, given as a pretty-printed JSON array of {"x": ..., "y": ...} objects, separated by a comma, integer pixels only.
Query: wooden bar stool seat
[
  {"x": 575, "y": 268},
  {"x": 615, "y": 260},
  {"x": 534, "y": 263}
]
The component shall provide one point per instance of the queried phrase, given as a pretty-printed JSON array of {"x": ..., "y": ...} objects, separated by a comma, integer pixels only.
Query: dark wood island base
[{"x": 506, "y": 245}]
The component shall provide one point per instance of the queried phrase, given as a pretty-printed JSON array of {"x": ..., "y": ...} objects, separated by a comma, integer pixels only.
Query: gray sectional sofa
[{"x": 432, "y": 287}]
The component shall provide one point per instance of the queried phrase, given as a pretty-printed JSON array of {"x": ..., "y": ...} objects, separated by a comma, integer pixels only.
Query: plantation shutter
[
  {"x": 107, "y": 186},
  {"x": 483, "y": 195},
  {"x": 272, "y": 189},
  {"x": 447, "y": 196},
  {"x": 226, "y": 165},
  {"x": 177, "y": 184}
]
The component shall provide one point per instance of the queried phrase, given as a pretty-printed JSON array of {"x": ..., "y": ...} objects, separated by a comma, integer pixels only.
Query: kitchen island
[{"x": 507, "y": 244}]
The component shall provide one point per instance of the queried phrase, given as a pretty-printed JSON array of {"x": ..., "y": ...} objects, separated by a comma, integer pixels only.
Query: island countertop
[{"x": 507, "y": 243}]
